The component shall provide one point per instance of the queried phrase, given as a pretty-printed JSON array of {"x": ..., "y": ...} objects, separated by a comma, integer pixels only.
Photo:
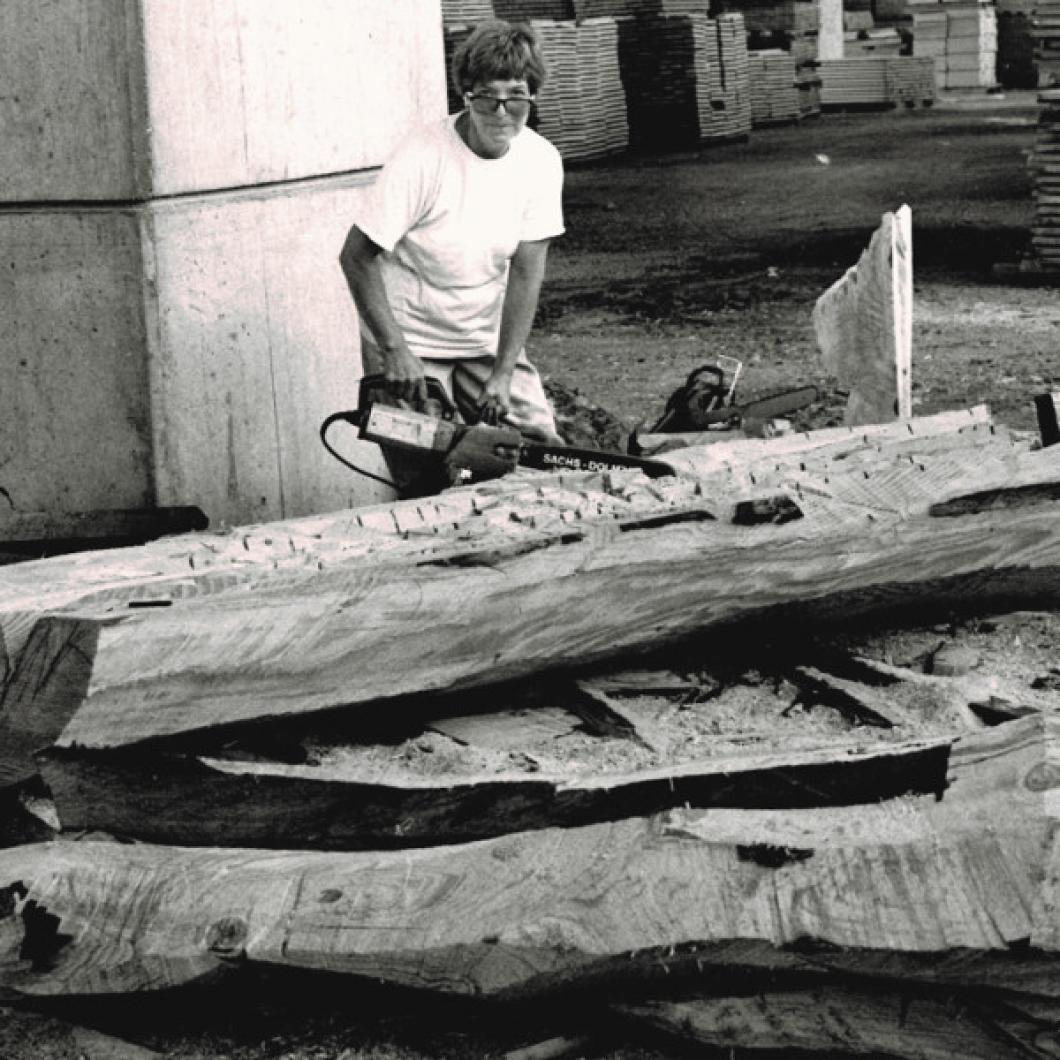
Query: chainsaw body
[{"x": 432, "y": 449}]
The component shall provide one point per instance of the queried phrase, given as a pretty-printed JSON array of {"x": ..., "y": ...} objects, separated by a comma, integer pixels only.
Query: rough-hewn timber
[
  {"x": 542, "y": 577},
  {"x": 961, "y": 890}
]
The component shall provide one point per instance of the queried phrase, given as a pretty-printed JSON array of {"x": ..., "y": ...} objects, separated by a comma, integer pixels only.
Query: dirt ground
[{"x": 668, "y": 260}]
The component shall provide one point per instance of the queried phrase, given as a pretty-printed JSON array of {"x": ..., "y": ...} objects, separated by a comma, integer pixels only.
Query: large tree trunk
[
  {"x": 884, "y": 531},
  {"x": 960, "y": 889}
]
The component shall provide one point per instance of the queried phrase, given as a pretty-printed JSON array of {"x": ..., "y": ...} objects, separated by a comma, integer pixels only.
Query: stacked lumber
[
  {"x": 158, "y": 262},
  {"x": 962, "y": 37},
  {"x": 466, "y": 12},
  {"x": 878, "y": 81},
  {"x": 586, "y": 9},
  {"x": 453, "y": 35},
  {"x": 582, "y": 106},
  {"x": 774, "y": 98},
  {"x": 929, "y": 36},
  {"x": 772, "y": 16},
  {"x": 1015, "y": 44},
  {"x": 1044, "y": 166},
  {"x": 1046, "y": 29},
  {"x": 728, "y": 77},
  {"x": 971, "y": 45},
  {"x": 686, "y": 80},
  {"x": 528, "y": 10},
  {"x": 856, "y": 858},
  {"x": 808, "y": 92},
  {"x": 791, "y": 26},
  {"x": 879, "y": 40}
]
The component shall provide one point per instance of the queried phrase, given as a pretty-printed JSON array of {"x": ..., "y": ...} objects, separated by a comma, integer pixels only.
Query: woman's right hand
[{"x": 405, "y": 379}]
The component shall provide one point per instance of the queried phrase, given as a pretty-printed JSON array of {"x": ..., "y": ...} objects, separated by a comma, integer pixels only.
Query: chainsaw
[
  {"x": 449, "y": 452},
  {"x": 706, "y": 402}
]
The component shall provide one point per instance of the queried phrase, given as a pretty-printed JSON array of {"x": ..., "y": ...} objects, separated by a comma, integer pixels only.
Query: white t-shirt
[{"x": 449, "y": 222}]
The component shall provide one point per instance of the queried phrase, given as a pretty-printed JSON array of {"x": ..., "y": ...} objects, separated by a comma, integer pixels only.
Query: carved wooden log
[
  {"x": 166, "y": 572},
  {"x": 358, "y": 633},
  {"x": 961, "y": 889}
]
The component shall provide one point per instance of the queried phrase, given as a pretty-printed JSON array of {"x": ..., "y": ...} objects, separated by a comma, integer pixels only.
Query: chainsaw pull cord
[{"x": 352, "y": 417}]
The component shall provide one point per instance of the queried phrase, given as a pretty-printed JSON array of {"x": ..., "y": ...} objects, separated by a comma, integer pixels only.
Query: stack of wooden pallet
[
  {"x": 876, "y": 81},
  {"x": 879, "y": 40},
  {"x": 586, "y": 9},
  {"x": 1015, "y": 44},
  {"x": 686, "y": 79},
  {"x": 528, "y": 10},
  {"x": 283, "y": 719},
  {"x": 962, "y": 37},
  {"x": 774, "y": 98},
  {"x": 791, "y": 26},
  {"x": 600, "y": 86},
  {"x": 1046, "y": 28},
  {"x": 728, "y": 75},
  {"x": 582, "y": 106},
  {"x": 466, "y": 12},
  {"x": 929, "y": 35},
  {"x": 1045, "y": 171},
  {"x": 971, "y": 44}
]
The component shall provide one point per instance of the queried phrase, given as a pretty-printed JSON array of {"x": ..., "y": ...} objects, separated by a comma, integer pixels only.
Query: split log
[
  {"x": 199, "y": 801},
  {"x": 864, "y": 325},
  {"x": 356, "y": 635},
  {"x": 960, "y": 889}
]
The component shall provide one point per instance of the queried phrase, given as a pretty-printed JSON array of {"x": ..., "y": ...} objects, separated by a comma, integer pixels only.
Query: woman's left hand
[{"x": 495, "y": 399}]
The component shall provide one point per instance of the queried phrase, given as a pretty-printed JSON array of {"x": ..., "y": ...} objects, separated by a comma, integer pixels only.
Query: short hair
[{"x": 498, "y": 51}]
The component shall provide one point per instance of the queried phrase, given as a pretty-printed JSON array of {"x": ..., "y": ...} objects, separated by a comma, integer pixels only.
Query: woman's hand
[
  {"x": 403, "y": 372},
  {"x": 495, "y": 400}
]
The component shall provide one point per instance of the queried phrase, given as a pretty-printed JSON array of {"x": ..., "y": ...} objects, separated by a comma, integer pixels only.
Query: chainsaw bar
[
  {"x": 764, "y": 408},
  {"x": 571, "y": 458}
]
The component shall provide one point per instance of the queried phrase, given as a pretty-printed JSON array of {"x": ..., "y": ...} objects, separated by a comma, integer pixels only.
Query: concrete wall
[
  {"x": 130, "y": 99},
  {"x": 184, "y": 349}
]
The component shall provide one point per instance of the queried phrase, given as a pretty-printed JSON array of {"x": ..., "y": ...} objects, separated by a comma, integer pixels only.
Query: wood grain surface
[{"x": 956, "y": 889}]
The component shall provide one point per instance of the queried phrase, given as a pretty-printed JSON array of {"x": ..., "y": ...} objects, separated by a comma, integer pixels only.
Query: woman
[{"x": 446, "y": 257}]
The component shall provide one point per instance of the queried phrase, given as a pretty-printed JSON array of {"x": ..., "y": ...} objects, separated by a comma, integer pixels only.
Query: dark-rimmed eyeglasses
[{"x": 483, "y": 103}]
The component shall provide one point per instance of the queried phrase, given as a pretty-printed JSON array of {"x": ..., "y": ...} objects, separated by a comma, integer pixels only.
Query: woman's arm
[
  {"x": 402, "y": 369},
  {"x": 525, "y": 276}
]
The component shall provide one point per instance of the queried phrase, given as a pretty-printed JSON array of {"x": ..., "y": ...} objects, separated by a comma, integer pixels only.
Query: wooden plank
[
  {"x": 106, "y": 101},
  {"x": 863, "y": 324},
  {"x": 344, "y": 633},
  {"x": 910, "y": 882}
]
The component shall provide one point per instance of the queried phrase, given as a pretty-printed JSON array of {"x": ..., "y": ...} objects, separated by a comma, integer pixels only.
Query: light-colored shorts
[{"x": 463, "y": 379}]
